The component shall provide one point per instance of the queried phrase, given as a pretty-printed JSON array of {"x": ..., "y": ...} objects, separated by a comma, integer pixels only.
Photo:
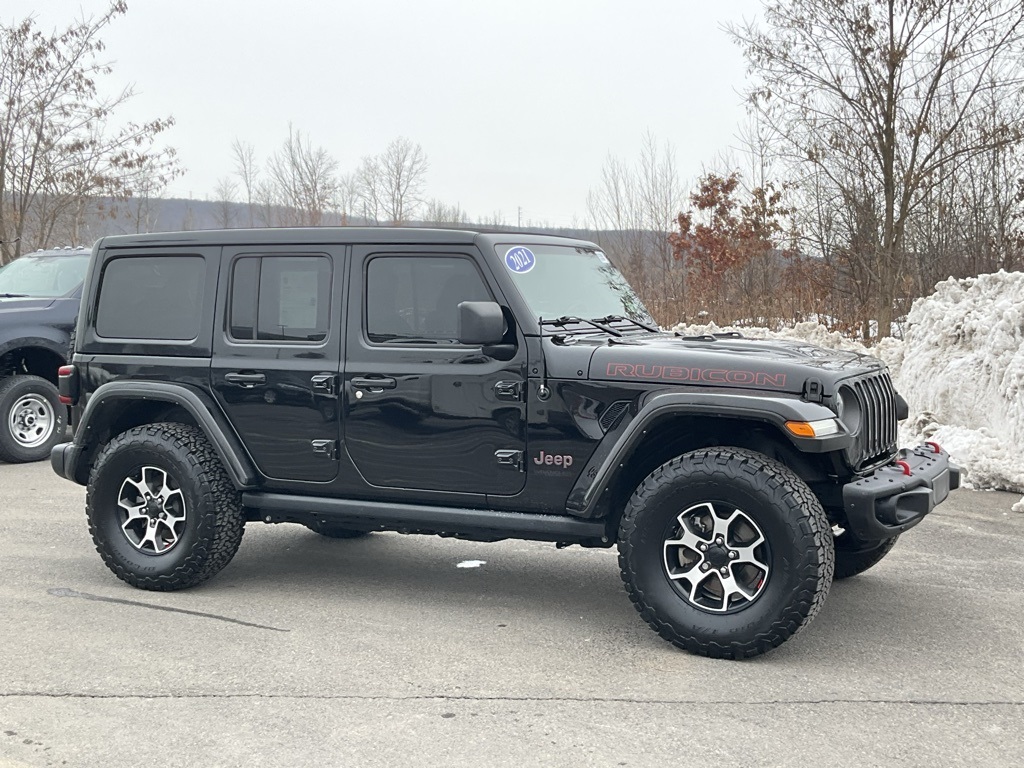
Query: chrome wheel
[
  {"x": 717, "y": 558},
  {"x": 32, "y": 420},
  {"x": 152, "y": 511}
]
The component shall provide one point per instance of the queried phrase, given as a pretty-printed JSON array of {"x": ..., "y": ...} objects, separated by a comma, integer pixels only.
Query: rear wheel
[
  {"x": 854, "y": 556},
  {"x": 725, "y": 552},
  {"x": 32, "y": 418},
  {"x": 162, "y": 510}
]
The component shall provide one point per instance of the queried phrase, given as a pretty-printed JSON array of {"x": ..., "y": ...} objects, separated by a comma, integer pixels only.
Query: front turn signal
[{"x": 821, "y": 428}]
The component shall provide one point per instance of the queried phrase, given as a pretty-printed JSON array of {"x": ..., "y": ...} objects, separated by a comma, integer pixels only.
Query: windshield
[
  {"x": 43, "y": 275},
  {"x": 565, "y": 281}
]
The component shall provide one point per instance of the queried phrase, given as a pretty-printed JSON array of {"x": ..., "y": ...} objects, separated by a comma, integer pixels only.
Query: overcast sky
[{"x": 516, "y": 104}]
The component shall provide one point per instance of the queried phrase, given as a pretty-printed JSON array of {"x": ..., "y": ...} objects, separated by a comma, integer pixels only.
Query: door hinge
[
  {"x": 326, "y": 448},
  {"x": 510, "y": 459},
  {"x": 325, "y": 384},
  {"x": 509, "y": 390}
]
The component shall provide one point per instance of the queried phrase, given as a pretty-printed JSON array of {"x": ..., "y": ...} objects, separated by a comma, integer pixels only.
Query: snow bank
[
  {"x": 963, "y": 373},
  {"x": 961, "y": 369}
]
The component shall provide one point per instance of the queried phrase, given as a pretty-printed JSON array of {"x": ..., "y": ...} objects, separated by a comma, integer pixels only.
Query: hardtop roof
[{"x": 328, "y": 235}]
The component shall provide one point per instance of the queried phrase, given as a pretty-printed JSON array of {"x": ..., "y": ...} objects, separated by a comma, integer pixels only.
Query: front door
[
  {"x": 424, "y": 412},
  {"x": 275, "y": 361}
]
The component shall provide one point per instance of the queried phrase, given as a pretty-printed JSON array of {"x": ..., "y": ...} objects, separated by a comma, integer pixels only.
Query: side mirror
[{"x": 481, "y": 323}]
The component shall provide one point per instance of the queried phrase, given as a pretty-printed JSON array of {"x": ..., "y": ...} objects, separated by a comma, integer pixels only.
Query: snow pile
[
  {"x": 963, "y": 374},
  {"x": 960, "y": 367}
]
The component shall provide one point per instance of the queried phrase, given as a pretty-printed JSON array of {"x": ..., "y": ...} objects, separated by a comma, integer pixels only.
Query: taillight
[{"x": 67, "y": 384}]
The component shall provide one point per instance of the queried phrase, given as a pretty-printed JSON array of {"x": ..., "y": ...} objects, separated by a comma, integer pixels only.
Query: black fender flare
[
  {"x": 614, "y": 450},
  {"x": 200, "y": 405},
  {"x": 50, "y": 339}
]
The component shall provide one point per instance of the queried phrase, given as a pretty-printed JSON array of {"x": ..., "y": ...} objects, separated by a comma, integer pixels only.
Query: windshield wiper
[
  {"x": 14, "y": 296},
  {"x": 623, "y": 318},
  {"x": 565, "y": 320}
]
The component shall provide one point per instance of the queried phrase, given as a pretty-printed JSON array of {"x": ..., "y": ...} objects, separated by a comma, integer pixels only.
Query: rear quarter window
[{"x": 151, "y": 297}]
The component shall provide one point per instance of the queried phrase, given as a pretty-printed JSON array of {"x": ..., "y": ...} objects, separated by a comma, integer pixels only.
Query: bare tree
[
  {"x": 348, "y": 197},
  {"x": 248, "y": 173},
  {"x": 637, "y": 205},
  {"x": 57, "y": 148},
  {"x": 880, "y": 101},
  {"x": 437, "y": 212},
  {"x": 224, "y": 195},
  {"x": 369, "y": 189},
  {"x": 402, "y": 169},
  {"x": 303, "y": 181}
]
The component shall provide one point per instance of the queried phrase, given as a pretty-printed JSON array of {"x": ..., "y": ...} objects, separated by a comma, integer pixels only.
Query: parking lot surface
[{"x": 383, "y": 651}]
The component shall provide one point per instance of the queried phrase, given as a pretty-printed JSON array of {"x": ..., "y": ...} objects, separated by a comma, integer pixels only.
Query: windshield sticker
[
  {"x": 602, "y": 258},
  {"x": 520, "y": 260}
]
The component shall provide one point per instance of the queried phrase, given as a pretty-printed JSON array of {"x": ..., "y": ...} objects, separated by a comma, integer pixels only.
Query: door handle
[
  {"x": 374, "y": 383},
  {"x": 245, "y": 380}
]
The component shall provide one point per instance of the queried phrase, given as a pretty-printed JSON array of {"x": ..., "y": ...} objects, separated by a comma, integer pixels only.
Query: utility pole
[{"x": 520, "y": 217}]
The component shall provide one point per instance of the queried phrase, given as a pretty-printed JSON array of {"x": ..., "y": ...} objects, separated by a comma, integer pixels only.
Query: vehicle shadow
[{"x": 423, "y": 570}]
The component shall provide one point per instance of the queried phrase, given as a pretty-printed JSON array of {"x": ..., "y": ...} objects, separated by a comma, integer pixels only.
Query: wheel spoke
[
  {"x": 695, "y": 585},
  {"x": 748, "y": 556},
  {"x": 732, "y": 587},
  {"x": 171, "y": 537},
  {"x": 134, "y": 510},
  {"x": 722, "y": 525}
]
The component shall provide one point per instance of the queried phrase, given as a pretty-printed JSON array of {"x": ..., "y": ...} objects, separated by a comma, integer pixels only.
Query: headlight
[{"x": 848, "y": 409}]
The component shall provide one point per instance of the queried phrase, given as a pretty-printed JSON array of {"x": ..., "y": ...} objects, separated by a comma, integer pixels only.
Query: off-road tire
[
  {"x": 20, "y": 396},
  {"x": 853, "y": 558},
  {"x": 332, "y": 531},
  {"x": 791, "y": 520},
  {"x": 214, "y": 522}
]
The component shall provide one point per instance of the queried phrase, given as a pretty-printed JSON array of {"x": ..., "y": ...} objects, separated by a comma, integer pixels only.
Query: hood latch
[{"x": 813, "y": 392}]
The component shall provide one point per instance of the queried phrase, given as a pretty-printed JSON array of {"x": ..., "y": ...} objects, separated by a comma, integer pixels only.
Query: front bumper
[{"x": 897, "y": 496}]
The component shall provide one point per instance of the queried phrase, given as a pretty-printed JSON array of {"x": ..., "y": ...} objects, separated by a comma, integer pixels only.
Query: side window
[
  {"x": 417, "y": 298},
  {"x": 280, "y": 298},
  {"x": 151, "y": 297}
]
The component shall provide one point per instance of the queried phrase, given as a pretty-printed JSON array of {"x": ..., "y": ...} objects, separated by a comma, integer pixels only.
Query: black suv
[
  {"x": 484, "y": 386},
  {"x": 39, "y": 297}
]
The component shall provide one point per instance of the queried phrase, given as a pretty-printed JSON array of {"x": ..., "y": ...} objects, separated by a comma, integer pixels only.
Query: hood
[
  {"x": 24, "y": 304},
  {"x": 766, "y": 364}
]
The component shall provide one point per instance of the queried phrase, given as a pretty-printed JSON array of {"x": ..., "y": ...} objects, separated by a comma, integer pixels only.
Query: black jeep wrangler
[
  {"x": 484, "y": 386},
  {"x": 39, "y": 297}
]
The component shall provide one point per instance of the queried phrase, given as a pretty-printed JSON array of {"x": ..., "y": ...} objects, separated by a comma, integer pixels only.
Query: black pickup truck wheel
[
  {"x": 162, "y": 511},
  {"x": 725, "y": 552},
  {"x": 32, "y": 419},
  {"x": 853, "y": 556}
]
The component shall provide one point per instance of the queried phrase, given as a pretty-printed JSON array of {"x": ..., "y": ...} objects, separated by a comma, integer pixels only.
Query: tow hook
[
  {"x": 936, "y": 448},
  {"x": 904, "y": 466}
]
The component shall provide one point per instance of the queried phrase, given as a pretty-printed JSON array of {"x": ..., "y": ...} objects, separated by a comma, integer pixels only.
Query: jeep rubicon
[
  {"x": 39, "y": 297},
  {"x": 484, "y": 386}
]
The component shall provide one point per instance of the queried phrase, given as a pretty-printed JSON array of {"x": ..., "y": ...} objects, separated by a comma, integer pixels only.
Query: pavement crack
[
  {"x": 519, "y": 699},
  {"x": 66, "y": 592}
]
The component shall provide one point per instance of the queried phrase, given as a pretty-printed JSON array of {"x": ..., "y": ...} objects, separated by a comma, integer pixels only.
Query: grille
[{"x": 877, "y": 399}]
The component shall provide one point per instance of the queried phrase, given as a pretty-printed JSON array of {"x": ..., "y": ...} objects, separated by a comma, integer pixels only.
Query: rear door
[
  {"x": 424, "y": 412},
  {"x": 275, "y": 369}
]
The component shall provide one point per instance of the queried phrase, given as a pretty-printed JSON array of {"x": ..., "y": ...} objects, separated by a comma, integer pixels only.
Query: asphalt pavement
[{"x": 384, "y": 651}]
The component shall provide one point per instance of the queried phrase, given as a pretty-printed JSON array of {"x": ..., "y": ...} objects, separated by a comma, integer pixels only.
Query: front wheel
[
  {"x": 33, "y": 418},
  {"x": 162, "y": 510},
  {"x": 725, "y": 552}
]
